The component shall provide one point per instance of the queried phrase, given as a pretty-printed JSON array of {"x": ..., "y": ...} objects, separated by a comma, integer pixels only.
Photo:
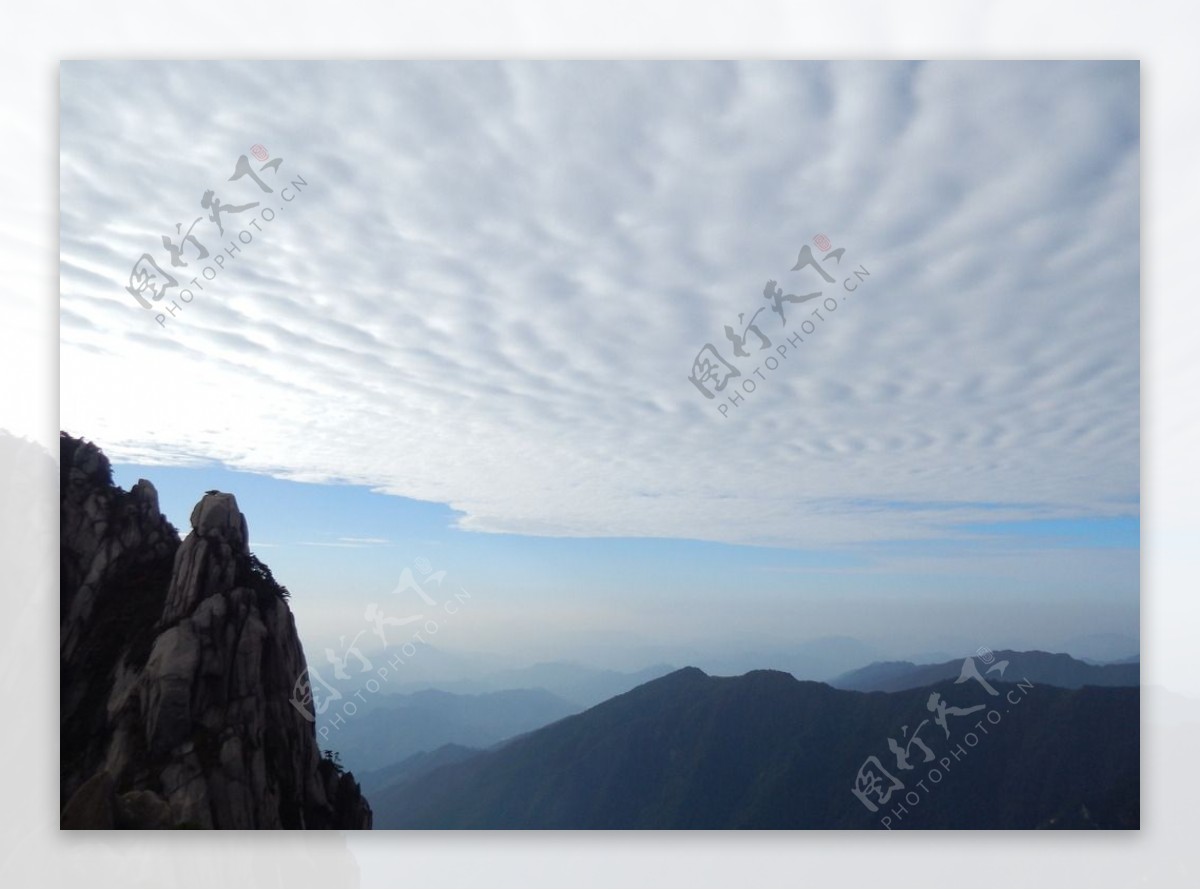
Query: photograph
[{"x": 603, "y": 445}]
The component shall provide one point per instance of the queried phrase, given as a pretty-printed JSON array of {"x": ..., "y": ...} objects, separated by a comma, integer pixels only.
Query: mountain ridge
[
  {"x": 1049, "y": 668},
  {"x": 402, "y": 725},
  {"x": 765, "y": 750}
]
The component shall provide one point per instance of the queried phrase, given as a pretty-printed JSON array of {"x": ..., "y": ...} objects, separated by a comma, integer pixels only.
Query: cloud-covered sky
[{"x": 490, "y": 288}]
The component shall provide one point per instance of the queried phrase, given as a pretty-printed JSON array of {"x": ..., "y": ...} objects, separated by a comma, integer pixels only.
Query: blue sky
[
  {"x": 340, "y": 547},
  {"x": 481, "y": 289}
]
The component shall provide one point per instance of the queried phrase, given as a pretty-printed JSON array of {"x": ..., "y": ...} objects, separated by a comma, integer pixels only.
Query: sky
[{"x": 460, "y": 326}]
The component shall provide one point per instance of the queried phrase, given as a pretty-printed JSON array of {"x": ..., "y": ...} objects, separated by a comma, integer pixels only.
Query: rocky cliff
[{"x": 179, "y": 661}]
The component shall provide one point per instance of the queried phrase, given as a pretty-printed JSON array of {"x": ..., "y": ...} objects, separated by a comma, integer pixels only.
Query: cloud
[
  {"x": 492, "y": 288},
  {"x": 348, "y": 543}
]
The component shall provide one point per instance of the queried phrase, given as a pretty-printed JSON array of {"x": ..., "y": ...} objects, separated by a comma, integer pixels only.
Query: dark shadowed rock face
[{"x": 178, "y": 666}]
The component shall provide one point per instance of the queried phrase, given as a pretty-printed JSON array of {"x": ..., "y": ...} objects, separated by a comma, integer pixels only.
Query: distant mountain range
[
  {"x": 403, "y": 725},
  {"x": 816, "y": 659},
  {"x": 584, "y": 686},
  {"x": 765, "y": 750},
  {"x": 1042, "y": 668},
  {"x": 1101, "y": 648},
  {"x": 476, "y": 713},
  {"x": 413, "y": 767},
  {"x": 581, "y": 685},
  {"x": 829, "y": 657}
]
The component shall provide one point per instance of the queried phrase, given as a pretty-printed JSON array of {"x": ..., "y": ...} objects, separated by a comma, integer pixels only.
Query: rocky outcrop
[{"x": 179, "y": 662}]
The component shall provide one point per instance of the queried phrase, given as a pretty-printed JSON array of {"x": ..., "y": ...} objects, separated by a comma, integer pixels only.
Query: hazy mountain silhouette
[
  {"x": 816, "y": 659},
  {"x": 584, "y": 686},
  {"x": 765, "y": 750},
  {"x": 403, "y": 725},
  {"x": 1102, "y": 648},
  {"x": 414, "y": 767},
  {"x": 581, "y": 685},
  {"x": 1132, "y": 659},
  {"x": 1040, "y": 667}
]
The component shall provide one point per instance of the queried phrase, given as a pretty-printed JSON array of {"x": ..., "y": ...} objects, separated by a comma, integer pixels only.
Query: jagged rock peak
[
  {"x": 212, "y": 560},
  {"x": 216, "y": 515},
  {"x": 145, "y": 495}
]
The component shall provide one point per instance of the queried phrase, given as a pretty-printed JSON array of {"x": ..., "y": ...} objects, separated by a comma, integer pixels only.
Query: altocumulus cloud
[{"x": 492, "y": 288}]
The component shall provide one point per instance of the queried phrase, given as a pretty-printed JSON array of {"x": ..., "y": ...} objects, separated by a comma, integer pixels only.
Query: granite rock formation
[{"x": 179, "y": 662}]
